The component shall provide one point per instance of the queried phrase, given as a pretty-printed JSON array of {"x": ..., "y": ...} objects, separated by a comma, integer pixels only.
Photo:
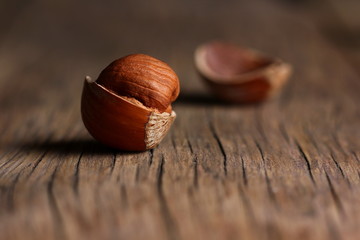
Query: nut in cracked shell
[
  {"x": 240, "y": 75},
  {"x": 129, "y": 106}
]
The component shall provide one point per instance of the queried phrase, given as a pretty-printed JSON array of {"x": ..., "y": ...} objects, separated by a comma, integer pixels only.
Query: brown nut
[
  {"x": 240, "y": 75},
  {"x": 129, "y": 106}
]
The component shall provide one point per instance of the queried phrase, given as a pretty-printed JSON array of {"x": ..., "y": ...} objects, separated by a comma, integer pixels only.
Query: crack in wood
[
  {"x": 11, "y": 168},
  {"x": 195, "y": 163},
  {"x": 218, "y": 141},
  {"x": 196, "y": 174},
  {"x": 173, "y": 143},
  {"x": 11, "y": 158},
  {"x": 189, "y": 145},
  {"x": 337, "y": 165},
  {"x": 8, "y": 152},
  {"x": 137, "y": 174},
  {"x": 113, "y": 163},
  {"x": 307, "y": 161},
  {"x": 151, "y": 156},
  {"x": 76, "y": 174},
  {"x": 37, "y": 163},
  {"x": 340, "y": 169},
  {"x": 244, "y": 171},
  {"x": 169, "y": 222}
]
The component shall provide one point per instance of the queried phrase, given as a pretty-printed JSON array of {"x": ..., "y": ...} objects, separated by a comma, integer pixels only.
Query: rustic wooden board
[{"x": 286, "y": 169}]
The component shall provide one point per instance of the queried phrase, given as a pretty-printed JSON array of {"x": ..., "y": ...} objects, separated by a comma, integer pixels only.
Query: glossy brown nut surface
[
  {"x": 124, "y": 121},
  {"x": 139, "y": 76},
  {"x": 240, "y": 75}
]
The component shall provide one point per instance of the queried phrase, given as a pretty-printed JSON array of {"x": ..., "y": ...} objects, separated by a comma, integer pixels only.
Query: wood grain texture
[{"x": 285, "y": 169}]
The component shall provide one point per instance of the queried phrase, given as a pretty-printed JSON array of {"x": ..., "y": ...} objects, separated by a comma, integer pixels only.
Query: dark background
[{"x": 67, "y": 40}]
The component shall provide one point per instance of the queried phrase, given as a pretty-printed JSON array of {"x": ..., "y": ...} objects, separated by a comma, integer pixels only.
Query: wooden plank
[{"x": 286, "y": 169}]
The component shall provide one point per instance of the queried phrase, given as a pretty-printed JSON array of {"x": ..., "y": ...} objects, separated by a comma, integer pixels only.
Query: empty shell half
[{"x": 240, "y": 75}]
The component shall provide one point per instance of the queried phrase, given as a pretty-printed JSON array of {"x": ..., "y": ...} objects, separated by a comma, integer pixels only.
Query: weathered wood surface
[{"x": 286, "y": 169}]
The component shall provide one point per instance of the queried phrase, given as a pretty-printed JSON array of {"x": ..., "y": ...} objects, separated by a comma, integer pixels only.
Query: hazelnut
[
  {"x": 129, "y": 106},
  {"x": 240, "y": 75}
]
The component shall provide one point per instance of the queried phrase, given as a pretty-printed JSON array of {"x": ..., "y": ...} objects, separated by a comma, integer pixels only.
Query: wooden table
[{"x": 285, "y": 169}]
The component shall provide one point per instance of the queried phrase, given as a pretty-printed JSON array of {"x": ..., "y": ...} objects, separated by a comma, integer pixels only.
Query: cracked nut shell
[
  {"x": 240, "y": 75},
  {"x": 129, "y": 106}
]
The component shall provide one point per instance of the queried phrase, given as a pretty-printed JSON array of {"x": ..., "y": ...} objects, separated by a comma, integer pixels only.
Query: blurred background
[
  {"x": 58, "y": 42},
  {"x": 47, "y": 47}
]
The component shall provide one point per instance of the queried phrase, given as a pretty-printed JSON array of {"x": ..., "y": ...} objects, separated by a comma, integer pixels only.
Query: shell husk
[
  {"x": 260, "y": 83},
  {"x": 120, "y": 122}
]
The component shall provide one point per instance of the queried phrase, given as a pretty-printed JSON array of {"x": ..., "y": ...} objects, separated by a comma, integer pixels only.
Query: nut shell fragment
[
  {"x": 121, "y": 122},
  {"x": 240, "y": 75}
]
